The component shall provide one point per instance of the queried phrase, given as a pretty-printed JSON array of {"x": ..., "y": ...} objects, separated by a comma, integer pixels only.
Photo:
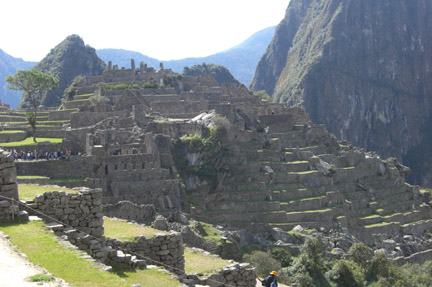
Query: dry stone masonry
[
  {"x": 82, "y": 210},
  {"x": 8, "y": 186},
  {"x": 165, "y": 250}
]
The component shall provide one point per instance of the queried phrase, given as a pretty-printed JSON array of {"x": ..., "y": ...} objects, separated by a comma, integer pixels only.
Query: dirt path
[{"x": 14, "y": 267}]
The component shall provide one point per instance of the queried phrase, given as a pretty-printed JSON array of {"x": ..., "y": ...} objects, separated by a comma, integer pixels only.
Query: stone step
[
  {"x": 255, "y": 216},
  {"x": 308, "y": 150},
  {"x": 248, "y": 177},
  {"x": 310, "y": 203},
  {"x": 397, "y": 207},
  {"x": 378, "y": 182},
  {"x": 383, "y": 193},
  {"x": 249, "y": 195},
  {"x": 321, "y": 215},
  {"x": 277, "y": 166},
  {"x": 293, "y": 194},
  {"x": 293, "y": 143},
  {"x": 393, "y": 199},
  {"x": 245, "y": 206},
  {"x": 307, "y": 225},
  {"x": 139, "y": 174},
  {"x": 245, "y": 186},
  {"x": 417, "y": 228},
  {"x": 263, "y": 155},
  {"x": 289, "y": 166},
  {"x": 288, "y": 135}
]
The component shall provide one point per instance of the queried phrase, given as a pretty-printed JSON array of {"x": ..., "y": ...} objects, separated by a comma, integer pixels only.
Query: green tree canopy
[{"x": 33, "y": 83}]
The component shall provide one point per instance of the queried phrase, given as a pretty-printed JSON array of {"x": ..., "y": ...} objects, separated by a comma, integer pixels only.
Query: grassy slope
[
  {"x": 29, "y": 191},
  {"x": 42, "y": 248},
  {"x": 122, "y": 230},
  {"x": 29, "y": 141}
]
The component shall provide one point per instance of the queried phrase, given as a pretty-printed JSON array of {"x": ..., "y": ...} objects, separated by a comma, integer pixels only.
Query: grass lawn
[
  {"x": 13, "y": 132},
  {"x": 122, "y": 230},
  {"x": 29, "y": 191},
  {"x": 68, "y": 179},
  {"x": 29, "y": 141},
  {"x": 198, "y": 263},
  {"x": 43, "y": 249}
]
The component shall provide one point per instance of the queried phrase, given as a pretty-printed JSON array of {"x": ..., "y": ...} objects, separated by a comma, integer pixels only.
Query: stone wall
[
  {"x": 60, "y": 115},
  {"x": 8, "y": 186},
  {"x": 130, "y": 211},
  {"x": 12, "y": 137},
  {"x": 77, "y": 166},
  {"x": 232, "y": 275},
  {"x": 85, "y": 119},
  {"x": 164, "y": 250},
  {"x": 82, "y": 210}
]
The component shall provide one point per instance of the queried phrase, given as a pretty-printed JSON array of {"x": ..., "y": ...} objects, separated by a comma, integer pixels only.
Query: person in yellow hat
[{"x": 270, "y": 281}]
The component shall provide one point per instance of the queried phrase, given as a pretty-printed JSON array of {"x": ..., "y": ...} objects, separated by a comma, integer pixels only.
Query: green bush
[
  {"x": 263, "y": 262},
  {"x": 149, "y": 85},
  {"x": 282, "y": 255},
  {"x": 342, "y": 274}
]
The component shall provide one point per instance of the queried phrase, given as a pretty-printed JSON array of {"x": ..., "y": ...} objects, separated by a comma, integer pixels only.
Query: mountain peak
[{"x": 67, "y": 60}]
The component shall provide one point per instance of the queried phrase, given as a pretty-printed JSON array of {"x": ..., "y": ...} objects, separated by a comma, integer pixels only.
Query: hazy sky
[{"x": 162, "y": 29}]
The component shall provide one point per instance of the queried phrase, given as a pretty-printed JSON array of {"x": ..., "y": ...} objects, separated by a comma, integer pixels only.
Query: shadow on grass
[
  {"x": 120, "y": 270},
  {"x": 17, "y": 221}
]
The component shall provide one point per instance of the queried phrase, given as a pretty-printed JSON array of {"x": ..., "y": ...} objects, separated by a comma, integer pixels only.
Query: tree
[{"x": 33, "y": 83}]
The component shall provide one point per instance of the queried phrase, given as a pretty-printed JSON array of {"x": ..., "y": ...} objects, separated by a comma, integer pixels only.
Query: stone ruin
[
  {"x": 8, "y": 187},
  {"x": 277, "y": 171}
]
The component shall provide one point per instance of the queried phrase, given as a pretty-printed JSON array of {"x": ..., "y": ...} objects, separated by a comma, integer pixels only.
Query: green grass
[
  {"x": 67, "y": 179},
  {"x": 43, "y": 249},
  {"x": 210, "y": 232},
  {"x": 13, "y": 132},
  {"x": 122, "y": 230},
  {"x": 40, "y": 278},
  {"x": 378, "y": 224},
  {"x": 199, "y": 263},
  {"x": 32, "y": 177},
  {"x": 29, "y": 142},
  {"x": 29, "y": 191},
  {"x": 79, "y": 100}
]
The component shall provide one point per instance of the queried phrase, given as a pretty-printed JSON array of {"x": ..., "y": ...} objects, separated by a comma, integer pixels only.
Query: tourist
[{"x": 270, "y": 281}]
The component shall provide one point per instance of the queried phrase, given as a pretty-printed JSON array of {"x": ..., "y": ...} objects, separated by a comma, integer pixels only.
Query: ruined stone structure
[
  {"x": 8, "y": 186},
  {"x": 163, "y": 249},
  {"x": 82, "y": 210},
  {"x": 277, "y": 169}
]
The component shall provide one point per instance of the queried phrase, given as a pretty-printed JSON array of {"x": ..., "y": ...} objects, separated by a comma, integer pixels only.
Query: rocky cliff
[
  {"x": 67, "y": 60},
  {"x": 363, "y": 68}
]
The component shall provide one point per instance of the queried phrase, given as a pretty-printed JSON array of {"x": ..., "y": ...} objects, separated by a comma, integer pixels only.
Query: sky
[{"x": 162, "y": 29}]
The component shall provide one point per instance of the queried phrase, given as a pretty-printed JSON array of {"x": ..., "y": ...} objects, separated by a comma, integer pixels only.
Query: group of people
[
  {"x": 271, "y": 281},
  {"x": 34, "y": 155}
]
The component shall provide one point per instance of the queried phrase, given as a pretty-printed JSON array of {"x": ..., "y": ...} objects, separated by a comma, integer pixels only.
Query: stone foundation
[
  {"x": 232, "y": 275},
  {"x": 82, "y": 210},
  {"x": 164, "y": 250},
  {"x": 8, "y": 186}
]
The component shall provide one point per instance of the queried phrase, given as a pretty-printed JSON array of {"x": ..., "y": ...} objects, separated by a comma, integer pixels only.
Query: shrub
[
  {"x": 360, "y": 254},
  {"x": 263, "y": 262},
  {"x": 282, "y": 255},
  {"x": 342, "y": 275},
  {"x": 220, "y": 128}
]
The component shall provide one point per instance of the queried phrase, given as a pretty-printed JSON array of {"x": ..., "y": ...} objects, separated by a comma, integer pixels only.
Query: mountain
[
  {"x": 9, "y": 66},
  {"x": 220, "y": 73},
  {"x": 362, "y": 68},
  {"x": 67, "y": 60},
  {"x": 240, "y": 60}
]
